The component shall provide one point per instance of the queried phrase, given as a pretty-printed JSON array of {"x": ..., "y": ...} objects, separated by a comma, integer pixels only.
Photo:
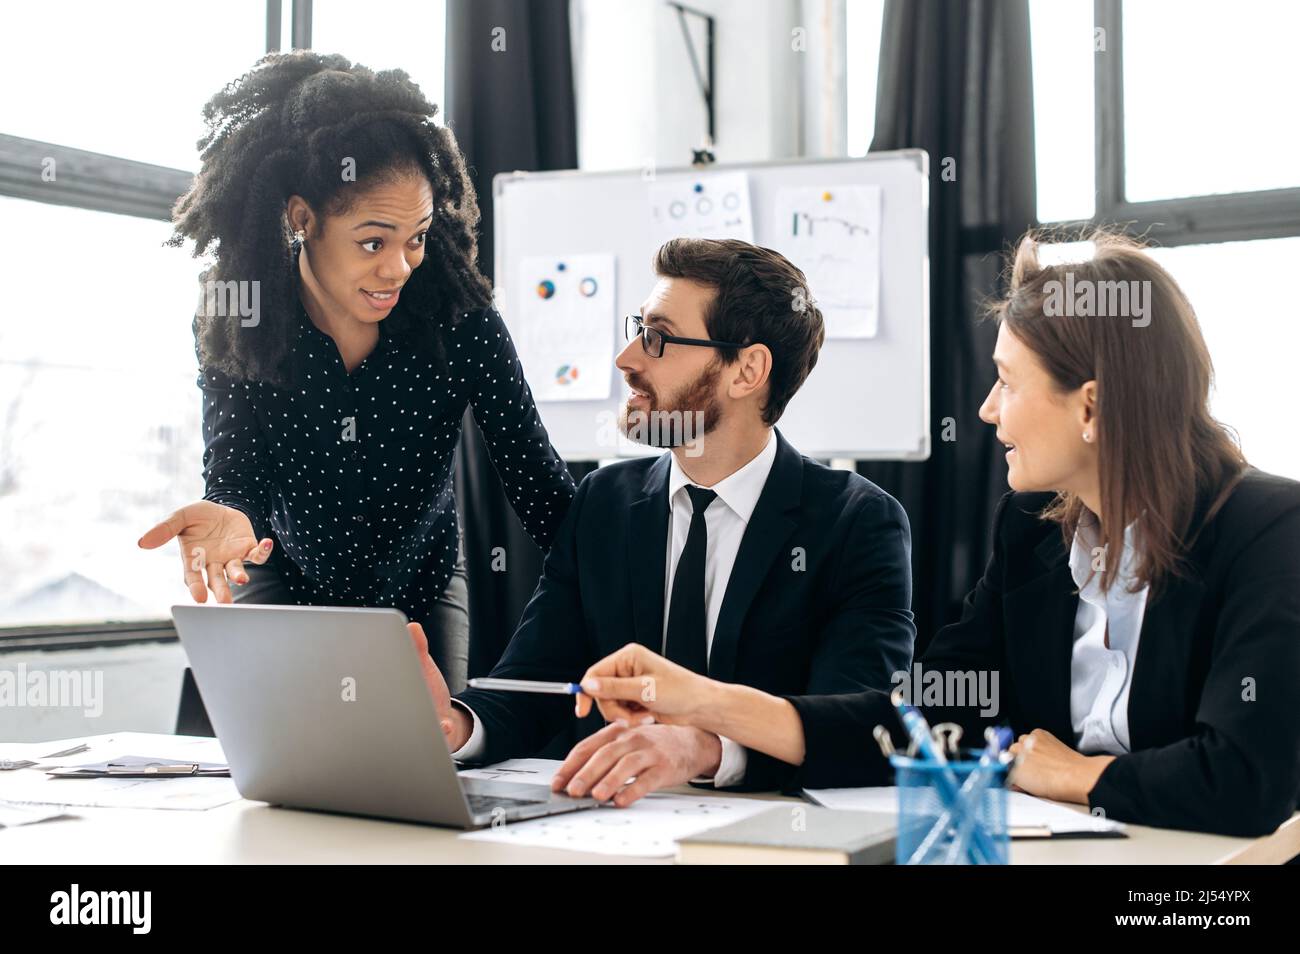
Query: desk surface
[{"x": 247, "y": 832}]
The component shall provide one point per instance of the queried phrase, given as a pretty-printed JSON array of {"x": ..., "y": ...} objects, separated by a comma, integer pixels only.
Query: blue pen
[
  {"x": 946, "y": 783},
  {"x": 526, "y": 685},
  {"x": 975, "y": 786}
]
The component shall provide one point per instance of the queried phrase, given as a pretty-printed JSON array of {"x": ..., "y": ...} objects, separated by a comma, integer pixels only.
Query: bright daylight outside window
[
  {"x": 1184, "y": 62},
  {"x": 99, "y": 412}
]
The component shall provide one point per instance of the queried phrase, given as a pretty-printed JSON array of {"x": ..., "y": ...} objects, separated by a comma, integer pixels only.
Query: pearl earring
[{"x": 1087, "y": 436}]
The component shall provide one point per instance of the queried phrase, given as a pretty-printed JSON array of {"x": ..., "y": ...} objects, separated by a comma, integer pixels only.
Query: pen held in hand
[{"x": 526, "y": 685}]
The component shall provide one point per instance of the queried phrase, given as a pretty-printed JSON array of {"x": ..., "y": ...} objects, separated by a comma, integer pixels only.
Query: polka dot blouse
[{"x": 351, "y": 474}]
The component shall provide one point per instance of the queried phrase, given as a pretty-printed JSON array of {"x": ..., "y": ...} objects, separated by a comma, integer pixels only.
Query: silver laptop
[{"x": 327, "y": 709}]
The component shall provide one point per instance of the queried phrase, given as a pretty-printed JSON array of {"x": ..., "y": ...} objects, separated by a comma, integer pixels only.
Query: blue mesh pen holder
[{"x": 934, "y": 830}]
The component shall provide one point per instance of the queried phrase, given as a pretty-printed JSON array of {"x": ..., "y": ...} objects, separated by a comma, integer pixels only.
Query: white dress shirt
[
  {"x": 1101, "y": 675},
  {"x": 725, "y": 521}
]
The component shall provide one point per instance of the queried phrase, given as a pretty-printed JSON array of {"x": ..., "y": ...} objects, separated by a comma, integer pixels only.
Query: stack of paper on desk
[{"x": 32, "y": 786}]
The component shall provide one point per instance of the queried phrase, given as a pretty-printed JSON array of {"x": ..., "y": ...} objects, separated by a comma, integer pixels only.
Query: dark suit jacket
[
  {"x": 1213, "y": 710},
  {"x": 818, "y": 600}
]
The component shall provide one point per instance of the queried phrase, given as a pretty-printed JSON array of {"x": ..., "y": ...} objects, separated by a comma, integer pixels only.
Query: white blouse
[{"x": 1101, "y": 674}]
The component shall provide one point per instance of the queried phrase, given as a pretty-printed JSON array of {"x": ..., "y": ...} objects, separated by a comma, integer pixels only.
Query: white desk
[{"x": 247, "y": 832}]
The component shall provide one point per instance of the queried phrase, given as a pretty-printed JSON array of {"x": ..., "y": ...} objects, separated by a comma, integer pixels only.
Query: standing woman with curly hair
[{"x": 343, "y": 222}]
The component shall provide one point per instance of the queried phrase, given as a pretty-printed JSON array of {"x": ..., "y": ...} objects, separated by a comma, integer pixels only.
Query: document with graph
[
  {"x": 833, "y": 234},
  {"x": 565, "y": 326}
]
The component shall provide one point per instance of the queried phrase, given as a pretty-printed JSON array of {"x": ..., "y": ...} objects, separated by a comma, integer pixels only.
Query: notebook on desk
[
  {"x": 796, "y": 835},
  {"x": 1027, "y": 816}
]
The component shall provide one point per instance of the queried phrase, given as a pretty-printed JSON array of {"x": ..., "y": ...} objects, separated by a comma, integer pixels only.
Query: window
[
  {"x": 387, "y": 34},
  {"x": 99, "y": 412},
  {"x": 863, "y": 22},
  {"x": 1172, "y": 118},
  {"x": 124, "y": 81},
  {"x": 1061, "y": 40},
  {"x": 1209, "y": 104},
  {"x": 1253, "y": 334}
]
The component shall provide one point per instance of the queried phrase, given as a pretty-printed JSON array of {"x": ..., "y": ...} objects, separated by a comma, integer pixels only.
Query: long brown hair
[{"x": 1160, "y": 451}]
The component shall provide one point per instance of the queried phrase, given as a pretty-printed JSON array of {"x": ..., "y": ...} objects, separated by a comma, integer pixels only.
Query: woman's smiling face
[
  {"x": 361, "y": 258},
  {"x": 1041, "y": 425}
]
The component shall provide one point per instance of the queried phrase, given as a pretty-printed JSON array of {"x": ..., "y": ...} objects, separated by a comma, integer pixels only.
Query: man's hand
[
  {"x": 456, "y": 725},
  {"x": 1051, "y": 769},
  {"x": 654, "y": 756}
]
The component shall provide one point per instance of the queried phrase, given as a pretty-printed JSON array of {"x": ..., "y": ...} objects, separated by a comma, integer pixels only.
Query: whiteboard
[{"x": 867, "y": 398}]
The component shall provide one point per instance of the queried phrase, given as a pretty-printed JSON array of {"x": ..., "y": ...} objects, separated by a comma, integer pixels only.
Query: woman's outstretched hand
[
  {"x": 214, "y": 539},
  {"x": 639, "y": 686}
]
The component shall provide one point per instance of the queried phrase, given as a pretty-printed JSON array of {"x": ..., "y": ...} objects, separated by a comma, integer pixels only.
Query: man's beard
[{"x": 680, "y": 421}]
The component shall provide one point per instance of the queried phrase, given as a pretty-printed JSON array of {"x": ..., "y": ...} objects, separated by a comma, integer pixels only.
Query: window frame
[
  {"x": 104, "y": 183},
  {"x": 1187, "y": 220}
]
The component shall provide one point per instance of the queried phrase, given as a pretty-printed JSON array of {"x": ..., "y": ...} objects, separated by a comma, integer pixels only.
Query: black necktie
[{"x": 687, "y": 643}]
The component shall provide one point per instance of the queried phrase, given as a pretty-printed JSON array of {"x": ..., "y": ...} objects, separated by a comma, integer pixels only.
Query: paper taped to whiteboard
[
  {"x": 564, "y": 329},
  {"x": 710, "y": 205},
  {"x": 833, "y": 235}
]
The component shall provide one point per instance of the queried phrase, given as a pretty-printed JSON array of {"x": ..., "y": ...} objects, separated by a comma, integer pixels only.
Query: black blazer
[
  {"x": 1214, "y": 720},
  {"x": 818, "y": 600}
]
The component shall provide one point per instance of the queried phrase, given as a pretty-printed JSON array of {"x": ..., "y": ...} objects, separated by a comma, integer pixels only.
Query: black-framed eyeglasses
[{"x": 653, "y": 340}]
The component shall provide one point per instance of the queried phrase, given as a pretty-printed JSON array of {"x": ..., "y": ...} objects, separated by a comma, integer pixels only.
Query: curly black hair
[{"x": 285, "y": 128}]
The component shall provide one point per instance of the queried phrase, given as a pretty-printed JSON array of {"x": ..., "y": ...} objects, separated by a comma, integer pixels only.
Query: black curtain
[
  {"x": 510, "y": 102},
  {"x": 955, "y": 81}
]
